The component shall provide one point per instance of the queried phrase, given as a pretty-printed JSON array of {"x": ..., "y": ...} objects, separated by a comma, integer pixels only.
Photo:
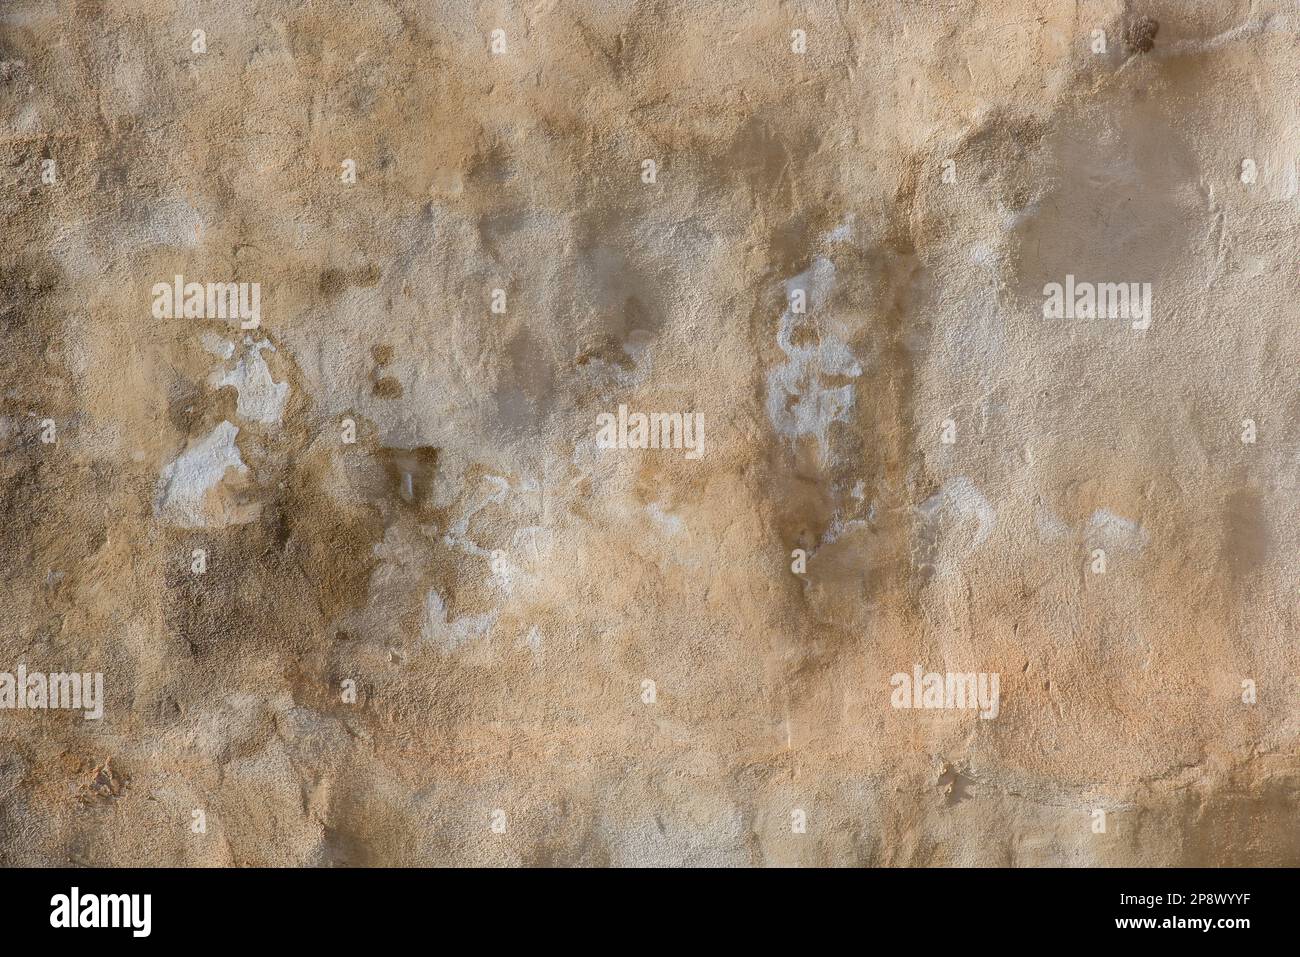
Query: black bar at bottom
[{"x": 342, "y": 906}]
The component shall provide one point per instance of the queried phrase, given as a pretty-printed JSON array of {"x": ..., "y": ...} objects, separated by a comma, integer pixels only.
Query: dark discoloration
[
  {"x": 1140, "y": 34},
  {"x": 410, "y": 472},
  {"x": 388, "y": 388}
]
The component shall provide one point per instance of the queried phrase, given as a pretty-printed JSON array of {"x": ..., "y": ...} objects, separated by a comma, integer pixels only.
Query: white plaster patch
[
  {"x": 261, "y": 398},
  {"x": 173, "y": 222},
  {"x": 533, "y": 640},
  {"x": 1114, "y": 530},
  {"x": 843, "y": 232},
  {"x": 669, "y": 523},
  {"x": 450, "y": 635},
  {"x": 185, "y": 483},
  {"x": 815, "y": 407},
  {"x": 29, "y": 121},
  {"x": 216, "y": 345},
  {"x": 458, "y": 535},
  {"x": 960, "y": 497},
  {"x": 839, "y": 528},
  {"x": 504, "y": 572}
]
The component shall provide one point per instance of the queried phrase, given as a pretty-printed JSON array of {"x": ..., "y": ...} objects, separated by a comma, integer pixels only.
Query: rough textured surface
[{"x": 499, "y": 588}]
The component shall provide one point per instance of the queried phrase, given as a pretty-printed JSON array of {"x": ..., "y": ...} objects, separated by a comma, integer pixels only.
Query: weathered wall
[{"x": 500, "y": 588}]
